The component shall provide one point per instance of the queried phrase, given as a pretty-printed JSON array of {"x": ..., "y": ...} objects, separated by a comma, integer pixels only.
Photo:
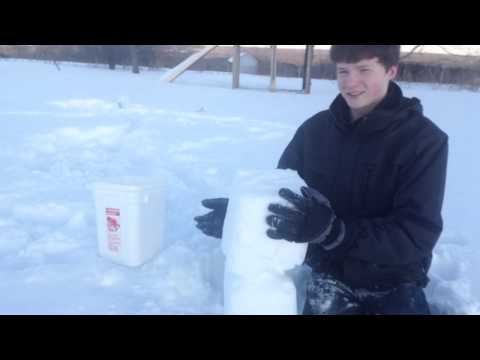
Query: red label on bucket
[{"x": 113, "y": 229}]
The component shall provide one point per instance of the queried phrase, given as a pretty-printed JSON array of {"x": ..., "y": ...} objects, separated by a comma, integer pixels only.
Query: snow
[
  {"x": 257, "y": 268},
  {"x": 62, "y": 131}
]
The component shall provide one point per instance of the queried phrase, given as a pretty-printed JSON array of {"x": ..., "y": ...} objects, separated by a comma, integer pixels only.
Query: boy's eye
[{"x": 364, "y": 70}]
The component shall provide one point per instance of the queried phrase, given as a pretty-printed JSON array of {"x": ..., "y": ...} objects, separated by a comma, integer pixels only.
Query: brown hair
[{"x": 388, "y": 55}]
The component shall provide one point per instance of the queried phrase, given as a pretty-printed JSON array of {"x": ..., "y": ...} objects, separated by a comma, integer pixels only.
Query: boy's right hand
[{"x": 211, "y": 224}]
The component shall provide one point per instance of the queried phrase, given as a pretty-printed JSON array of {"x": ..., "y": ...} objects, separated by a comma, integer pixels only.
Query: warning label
[{"x": 113, "y": 229}]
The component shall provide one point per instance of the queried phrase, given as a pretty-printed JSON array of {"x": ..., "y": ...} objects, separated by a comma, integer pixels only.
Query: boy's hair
[{"x": 388, "y": 55}]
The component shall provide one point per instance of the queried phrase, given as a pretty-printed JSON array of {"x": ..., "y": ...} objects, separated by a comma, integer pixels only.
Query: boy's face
[{"x": 364, "y": 84}]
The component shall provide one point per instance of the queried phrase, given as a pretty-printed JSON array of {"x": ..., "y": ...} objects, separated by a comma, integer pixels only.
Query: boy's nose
[
  {"x": 351, "y": 84},
  {"x": 350, "y": 81}
]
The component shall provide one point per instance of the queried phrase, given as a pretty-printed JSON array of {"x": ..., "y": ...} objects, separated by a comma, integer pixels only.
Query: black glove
[
  {"x": 310, "y": 220},
  {"x": 211, "y": 224}
]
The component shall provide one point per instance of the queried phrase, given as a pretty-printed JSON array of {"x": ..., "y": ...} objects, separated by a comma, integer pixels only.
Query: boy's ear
[{"x": 392, "y": 72}]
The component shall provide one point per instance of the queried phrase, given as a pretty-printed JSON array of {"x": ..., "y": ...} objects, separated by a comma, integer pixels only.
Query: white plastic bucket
[{"x": 130, "y": 221}]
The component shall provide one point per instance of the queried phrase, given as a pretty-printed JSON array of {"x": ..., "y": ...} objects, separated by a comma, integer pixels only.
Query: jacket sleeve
[
  {"x": 409, "y": 233},
  {"x": 292, "y": 157}
]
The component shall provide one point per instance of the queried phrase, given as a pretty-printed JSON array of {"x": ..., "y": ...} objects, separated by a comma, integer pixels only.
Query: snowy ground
[{"x": 64, "y": 130}]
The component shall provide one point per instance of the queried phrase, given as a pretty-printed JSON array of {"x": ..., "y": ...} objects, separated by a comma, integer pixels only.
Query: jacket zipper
[{"x": 366, "y": 187}]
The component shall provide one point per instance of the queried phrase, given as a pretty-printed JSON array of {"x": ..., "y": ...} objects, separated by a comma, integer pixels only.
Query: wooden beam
[
  {"x": 307, "y": 74},
  {"x": 273, "y": 69},
  {"x": 178, "y": 70},
  {"x": 236, "y": 67}
]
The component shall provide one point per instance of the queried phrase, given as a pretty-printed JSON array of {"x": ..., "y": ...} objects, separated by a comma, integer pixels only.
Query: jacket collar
[{"x": 392, "y": 108}]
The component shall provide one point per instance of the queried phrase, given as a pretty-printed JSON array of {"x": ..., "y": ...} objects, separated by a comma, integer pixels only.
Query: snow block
[{"x": 256, "y": 277}]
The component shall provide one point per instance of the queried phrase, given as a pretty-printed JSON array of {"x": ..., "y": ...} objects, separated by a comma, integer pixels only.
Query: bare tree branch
[
  {"x": 446, "y": 50},
  {"x": 411, "y": 52}
]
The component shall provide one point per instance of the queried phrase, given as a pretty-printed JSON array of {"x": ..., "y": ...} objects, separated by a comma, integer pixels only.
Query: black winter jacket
[{"x": 385, "y": 177}]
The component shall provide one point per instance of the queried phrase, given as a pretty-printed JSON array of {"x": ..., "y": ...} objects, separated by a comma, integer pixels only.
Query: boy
[{"x": 375, "y": 167}]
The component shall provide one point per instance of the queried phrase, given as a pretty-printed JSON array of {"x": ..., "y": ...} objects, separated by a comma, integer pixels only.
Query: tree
[
  {"x": 109, "y": 52},
  {"x": 134, "y": 58}
]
